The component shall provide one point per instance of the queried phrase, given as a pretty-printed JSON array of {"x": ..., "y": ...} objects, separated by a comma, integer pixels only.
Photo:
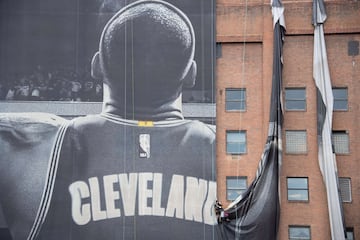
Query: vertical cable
[
  {"x": 77, "y": 36},
  {"x": 133, "y": 137},
  {"x": 213, "y": 96},
  {"x": 243, "y": 76},
  {"x": 125, "y": 115}
]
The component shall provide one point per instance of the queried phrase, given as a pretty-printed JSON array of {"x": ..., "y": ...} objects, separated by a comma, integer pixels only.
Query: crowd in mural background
[
  {"x": 60, "y": 84},
  {"x": 67, "y": 84}
]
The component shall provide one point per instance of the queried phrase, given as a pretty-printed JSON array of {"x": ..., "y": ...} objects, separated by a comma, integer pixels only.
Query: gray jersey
[{"x": 111, "y": 178}]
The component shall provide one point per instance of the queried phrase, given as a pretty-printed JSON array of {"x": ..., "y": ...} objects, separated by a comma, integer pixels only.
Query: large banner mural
[
  {"x": 46, "y": 47},
  {"x": 138, "y": 169}
]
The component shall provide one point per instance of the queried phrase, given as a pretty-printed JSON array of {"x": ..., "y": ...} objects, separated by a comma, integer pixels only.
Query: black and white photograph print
[{"x": 94, "y": 139}]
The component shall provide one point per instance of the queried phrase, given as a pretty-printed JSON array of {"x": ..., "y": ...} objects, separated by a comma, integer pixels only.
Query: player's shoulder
[
  {"x": 15, "y": 119},
  {"x": 88, "y": 121},
  {"x": 202, "y": 126},
  {"x": 201, "y": 129},
  {"x": 22, "y": 128}
]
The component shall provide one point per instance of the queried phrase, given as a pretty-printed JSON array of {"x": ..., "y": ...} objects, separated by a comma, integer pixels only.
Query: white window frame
[
  {"x": 338, "y": 99},
  {"x": 291, "y": 99},
  {"x": 345, "y": 189},
  {"x": 336, "y": 142},
  {"x": 290, "y": 146},
  {"x": 298, "y": 189},
  {"x": 241, "y": 101},
  {"x": 244, "y": 143},
  {"x": 242, "y": 179},
  {"x": 350, "y": 233},
  {"x": 298, "y": 237}
]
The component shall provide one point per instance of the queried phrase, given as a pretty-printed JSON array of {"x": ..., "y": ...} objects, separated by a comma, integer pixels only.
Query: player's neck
[{"x": 166, "y": 110}]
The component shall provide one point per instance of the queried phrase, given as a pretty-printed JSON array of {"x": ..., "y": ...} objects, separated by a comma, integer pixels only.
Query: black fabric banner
[{"x": 255, "y": 214}]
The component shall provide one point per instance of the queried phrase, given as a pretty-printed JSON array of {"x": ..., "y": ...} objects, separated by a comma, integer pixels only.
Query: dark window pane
[
  {"x": 295, "y": 105},
  {"x": 235, "y": 148},
  {"x": 297, "y": 183},
  {"x": 231, "y": 106},
  {"x": 340, "y": 105},
  {"x": 297, "y": 189},
  {"x": 232, "y": 94},
  {"x": 236, "y": 183},
  {"x": 297, "y": 195},
  {"x": 233, "y": 194},
  {"x": 236, "y": 137},
  {"x": 295, "y": 99},
  {"x": 340, "y": 93},
  {"x": 294, "y": 94},
  {"x": 235, "y": 99},
  {"x": 297, "y": 233},
  {"x": 340, "y": 98},
  {"x": 235, "y": 186},
  {"x": 340, "y": 141}
]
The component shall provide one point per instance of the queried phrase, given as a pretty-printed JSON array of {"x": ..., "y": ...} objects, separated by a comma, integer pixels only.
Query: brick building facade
[{"x": 244, "y": 65}]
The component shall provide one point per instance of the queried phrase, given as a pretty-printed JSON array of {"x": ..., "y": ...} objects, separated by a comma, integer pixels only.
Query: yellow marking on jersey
[{"x": 145, "y": 123}]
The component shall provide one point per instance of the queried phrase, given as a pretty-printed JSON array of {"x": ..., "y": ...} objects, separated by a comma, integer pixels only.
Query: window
[
  {"x": 340, "y": 99},
  {"x": 235, "y": 142},
  {"x": 340, "y": 140},
  {"x": 297, "y": 189},
  {"x": 235, "y": 186},
  {"x": 349, "y": 233},
  {"x": 218, "y": 50},
  {"x": 345, "y": 189},
  {"x": 296, "y": 142},
  {"x": 235, "y": 99},
  {"x": 299, "y": 233},
  {"x": 295, "y": 99}
]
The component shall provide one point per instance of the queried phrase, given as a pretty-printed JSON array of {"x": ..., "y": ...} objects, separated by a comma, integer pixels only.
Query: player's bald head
[{"x": 147, "y": 44}]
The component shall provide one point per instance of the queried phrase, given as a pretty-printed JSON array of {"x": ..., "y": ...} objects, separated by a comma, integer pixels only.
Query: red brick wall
[
  {"x": 249, "y": 65},
  {"x": 234, "y": 72}
]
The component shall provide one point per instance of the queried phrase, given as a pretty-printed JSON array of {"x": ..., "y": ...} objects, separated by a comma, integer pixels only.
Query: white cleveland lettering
[
  {"x": 194, "y": 198},
  {"x": 176, "y": 197},
  {"x": 128, "y": 189},
  {"x": 81, "y": 213},
  {"x": 188, "y": 198}
]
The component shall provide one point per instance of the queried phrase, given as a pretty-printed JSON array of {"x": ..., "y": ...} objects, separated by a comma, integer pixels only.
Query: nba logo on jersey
[{"x": 144, "y": 145}]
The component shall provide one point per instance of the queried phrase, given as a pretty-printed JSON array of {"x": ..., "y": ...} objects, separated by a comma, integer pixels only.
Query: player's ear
[
  {"x": 95, "y": 67},
  {"x": 190, "y": 77}
]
